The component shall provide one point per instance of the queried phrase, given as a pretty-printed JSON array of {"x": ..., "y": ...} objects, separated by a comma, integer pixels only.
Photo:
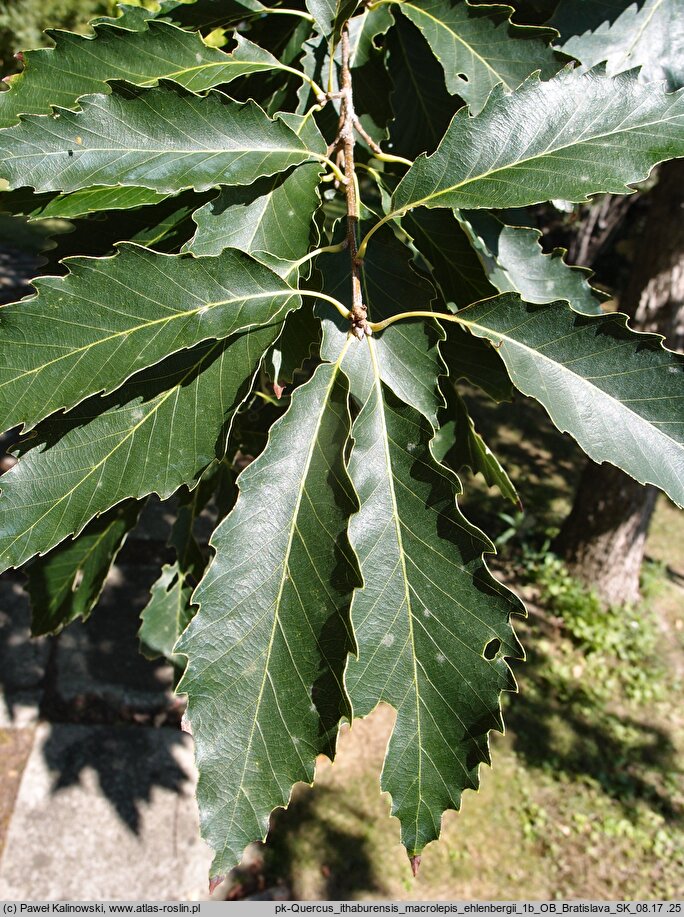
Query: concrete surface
[
  {"x": 106, "y": 813},
  {"x": 15, "y": 748}
]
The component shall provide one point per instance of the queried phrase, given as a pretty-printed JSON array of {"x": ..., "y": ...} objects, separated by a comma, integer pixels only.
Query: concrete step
[{"x": 106, "y": 812}]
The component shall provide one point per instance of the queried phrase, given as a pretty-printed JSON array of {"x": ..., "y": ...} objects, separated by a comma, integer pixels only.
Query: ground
[{"x": 15, "y": 746}]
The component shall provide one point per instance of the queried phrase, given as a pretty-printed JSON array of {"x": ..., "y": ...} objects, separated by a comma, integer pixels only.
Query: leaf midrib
[
  {"x": 400, "y": 542},
  {"x": 147, "y": 81},
  {"x": 192, "y": 151},
  {"x": 277, "y": 603},
  {"x": 640, "y": 32}
]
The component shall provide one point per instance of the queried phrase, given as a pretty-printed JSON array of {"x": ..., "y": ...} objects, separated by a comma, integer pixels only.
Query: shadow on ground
[
  {"x": 96, "y": 673},
  {"x": 346, "y": 860},
  {"x": 560, "y": 728},
  {"x": 22, "y": 660},
  {"x": 97, "y": 678},
  {"x": 92, "y": 676},
  {"x": 128, "y": 763}
]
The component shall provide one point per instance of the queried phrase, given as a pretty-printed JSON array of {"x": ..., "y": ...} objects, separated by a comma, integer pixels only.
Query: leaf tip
[
  {"x": 185, "y": 724},
  {"x": 214, "y": 882},
  {"x": 415, "y": 864}
]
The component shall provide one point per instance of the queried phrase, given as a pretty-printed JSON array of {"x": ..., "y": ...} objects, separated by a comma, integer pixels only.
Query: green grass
[{"x": 22, "y": 23}]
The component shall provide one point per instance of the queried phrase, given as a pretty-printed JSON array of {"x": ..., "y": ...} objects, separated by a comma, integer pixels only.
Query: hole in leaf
[
  {"x": 492, "y": 648},
  {"x": 462, "y": 76}
]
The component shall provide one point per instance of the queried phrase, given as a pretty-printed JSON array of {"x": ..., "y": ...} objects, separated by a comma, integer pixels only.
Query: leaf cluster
[{"x": 312, "y": 215}]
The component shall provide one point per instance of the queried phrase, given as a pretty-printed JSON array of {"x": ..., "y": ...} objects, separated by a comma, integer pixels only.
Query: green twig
[{"x": 402, "y": 316}]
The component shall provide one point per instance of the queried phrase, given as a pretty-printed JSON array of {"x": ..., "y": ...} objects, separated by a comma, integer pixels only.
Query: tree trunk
[{"x": 603, "y": 538}]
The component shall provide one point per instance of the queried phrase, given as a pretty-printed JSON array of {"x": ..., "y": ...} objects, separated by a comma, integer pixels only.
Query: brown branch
[
  {"x": 361, "y": 131},
  {"x": 348, "y": 122},
  {"x": 599, "y": 222}
]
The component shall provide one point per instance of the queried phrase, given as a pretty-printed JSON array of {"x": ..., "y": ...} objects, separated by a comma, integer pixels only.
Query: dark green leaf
[
  {"x": 167, "y": 614},
  {"x": 160, "y": 139},
  {"x": 315, "y": 62},
  {"x": 425, "y": 618},
  {"x": 161, "y": 429},
  {"x": 79, "y": 203},
  {"x": 578, "y": 134},
  {"x": 410, "y": 361},
  {"x": 267, "y": 649},
  {"x": 266, "y": 216},
  {"x": 134, "y": 18},
  {"x": 79, "y": 65},
  {"x": 363, "y": 31},
  {"x": 619, "y": 393},
  {"x": 648, "y": 34},
  {"x": 89, "y": 331},
  {"x": 515, "y": 263},
  {"x": 273, "y": 215},
  {"x": 479, "y": 47},
  {"x": 369, "y": 95},
  {"x": 164, "y": 226},
  {"x": 66, "y": 583},
  {"x": 330, "y": 15}
]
